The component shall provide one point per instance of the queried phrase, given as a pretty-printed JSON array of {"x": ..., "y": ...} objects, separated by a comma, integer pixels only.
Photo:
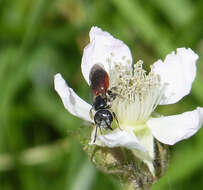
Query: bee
[{"x": 102, "y": 99}]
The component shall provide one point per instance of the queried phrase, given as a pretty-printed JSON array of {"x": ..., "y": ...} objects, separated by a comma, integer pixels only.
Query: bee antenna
[
  {"x": 114, "y": 115},
  {"x": 95, "y": 135}
]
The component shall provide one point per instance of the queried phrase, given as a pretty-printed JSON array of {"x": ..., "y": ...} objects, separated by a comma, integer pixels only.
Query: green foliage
[{"x": 39, "y": 146}]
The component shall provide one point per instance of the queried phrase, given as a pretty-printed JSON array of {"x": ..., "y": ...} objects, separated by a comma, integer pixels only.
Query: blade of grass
[
  {"x": 176, "y": 10},
  {"x": 144, "y": 24},
  {"x": 84, "y": 178}
]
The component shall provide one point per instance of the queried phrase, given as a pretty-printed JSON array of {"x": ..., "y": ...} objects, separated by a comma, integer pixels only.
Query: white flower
[{"x": 139, "y": 94}]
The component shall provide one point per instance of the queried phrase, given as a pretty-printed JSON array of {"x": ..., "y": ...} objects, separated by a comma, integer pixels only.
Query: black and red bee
[{"x": 102, "y": 99}]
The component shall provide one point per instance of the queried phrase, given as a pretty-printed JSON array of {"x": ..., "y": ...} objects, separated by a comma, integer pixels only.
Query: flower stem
[
  {"x": 134, "y": 186},
  {"x": 132, "y": 172}
]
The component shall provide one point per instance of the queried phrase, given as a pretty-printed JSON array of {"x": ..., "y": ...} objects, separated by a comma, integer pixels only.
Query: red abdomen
[{"x": 99, "y": 80}]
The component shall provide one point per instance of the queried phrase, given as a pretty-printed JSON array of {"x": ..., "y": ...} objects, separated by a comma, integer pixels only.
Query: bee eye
[{"x": 104, "y": 118}]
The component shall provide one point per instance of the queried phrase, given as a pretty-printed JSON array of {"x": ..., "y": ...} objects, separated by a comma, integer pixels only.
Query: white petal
[
  {"x": 172, "y": 129},
  {"x": 103, "y": 47},
  {"x": 120, "y": 139},
  {"x": 147, "y": 140},
  {"x": 72, "y": 102},
  {"x": 178, "y": 71}
]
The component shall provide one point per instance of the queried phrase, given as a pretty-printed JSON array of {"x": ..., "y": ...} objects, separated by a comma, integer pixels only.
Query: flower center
[{"x": 139, "y": 93}]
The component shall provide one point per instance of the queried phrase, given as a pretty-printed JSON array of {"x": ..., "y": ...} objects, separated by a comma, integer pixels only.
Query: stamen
[{"x": 139, "y": 93}]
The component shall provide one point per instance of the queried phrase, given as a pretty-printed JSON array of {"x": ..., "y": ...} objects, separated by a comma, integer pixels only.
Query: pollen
[{"x": 138, "y": 93}]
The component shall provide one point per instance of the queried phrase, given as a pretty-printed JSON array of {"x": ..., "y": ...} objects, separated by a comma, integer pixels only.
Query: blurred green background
[{"x": 39, "y": 147}]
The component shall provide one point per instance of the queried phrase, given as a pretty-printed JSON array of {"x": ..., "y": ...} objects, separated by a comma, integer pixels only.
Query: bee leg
[
  {"x": 92, "y": 113},
  {"x": 111, "y": 95},
  {"x": 95, "y": 135},
  {"x": 114, "y": 115}
]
